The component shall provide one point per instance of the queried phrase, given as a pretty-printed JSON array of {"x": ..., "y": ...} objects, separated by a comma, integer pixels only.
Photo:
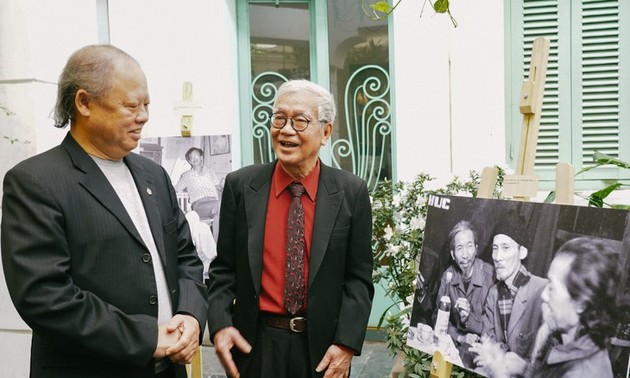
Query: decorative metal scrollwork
[
  {"x": 368, "y": 125},
  {"x": 263, "y": 90}
]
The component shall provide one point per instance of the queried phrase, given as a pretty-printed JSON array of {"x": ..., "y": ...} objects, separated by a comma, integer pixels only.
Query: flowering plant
[{"x": 399, "y": 211}]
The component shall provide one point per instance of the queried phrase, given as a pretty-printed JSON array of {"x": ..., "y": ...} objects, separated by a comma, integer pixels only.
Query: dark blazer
[
  {"x": 340, "y": 288},
  {"x": 78, "y": 271}
]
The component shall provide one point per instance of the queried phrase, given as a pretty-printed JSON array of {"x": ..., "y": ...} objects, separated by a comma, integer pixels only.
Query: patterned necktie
[{"x": 294, "y": 278}]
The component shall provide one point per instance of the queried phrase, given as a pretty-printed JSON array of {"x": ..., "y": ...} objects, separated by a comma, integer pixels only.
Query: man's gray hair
[
  {"x": 88, "y": 68},
  {"x": 326, "y": 108}
]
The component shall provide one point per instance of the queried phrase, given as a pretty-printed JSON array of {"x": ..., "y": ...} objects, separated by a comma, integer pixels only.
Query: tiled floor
[{"x": 374, "y": 362}]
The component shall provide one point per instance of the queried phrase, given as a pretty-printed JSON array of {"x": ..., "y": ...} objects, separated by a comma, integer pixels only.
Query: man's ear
[
  {"x": 522, "y": 252},
  {"x": 452, "y": 255},
  {"x": 327, "y": 129},
  {"x": 82, "y": 102}
]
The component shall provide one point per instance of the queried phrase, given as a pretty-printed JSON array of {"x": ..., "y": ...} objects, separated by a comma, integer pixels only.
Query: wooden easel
[
  {"x": 524, "y": 184},
  {"x": 195, "y": 369},
  {"x": 186, "y": 109}
]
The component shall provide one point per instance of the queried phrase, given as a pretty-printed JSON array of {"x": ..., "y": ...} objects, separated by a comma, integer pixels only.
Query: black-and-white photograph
[
  {"x": 506, "y": 288},
  {"x": 197, "y": 167}
]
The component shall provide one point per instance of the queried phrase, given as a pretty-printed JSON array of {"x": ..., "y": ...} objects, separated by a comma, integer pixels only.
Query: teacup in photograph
[{"x": 424, "y": 333}]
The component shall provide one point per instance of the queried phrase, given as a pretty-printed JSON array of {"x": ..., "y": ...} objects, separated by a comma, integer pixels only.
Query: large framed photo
[{"x": 520, "y": 286}]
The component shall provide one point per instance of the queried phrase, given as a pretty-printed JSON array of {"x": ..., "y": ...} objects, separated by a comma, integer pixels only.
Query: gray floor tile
[{"x": 374, "y": 362}]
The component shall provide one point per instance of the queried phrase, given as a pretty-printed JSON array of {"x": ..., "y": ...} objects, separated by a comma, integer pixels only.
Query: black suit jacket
[
  {"x": 78, "y": 271},
  {"x": 340, "y": 288}
]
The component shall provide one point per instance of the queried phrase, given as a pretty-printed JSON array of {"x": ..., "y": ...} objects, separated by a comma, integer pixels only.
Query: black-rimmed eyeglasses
[{"x": 298, "y": 123}]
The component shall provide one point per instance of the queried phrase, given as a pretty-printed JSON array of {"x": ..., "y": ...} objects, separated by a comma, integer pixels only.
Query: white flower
[
  {"x": 417, "y": 223},
  {"x": 409, "y": 299},
  {"x": 388, "y": 233},
  {"x": 397, "y": 198}
]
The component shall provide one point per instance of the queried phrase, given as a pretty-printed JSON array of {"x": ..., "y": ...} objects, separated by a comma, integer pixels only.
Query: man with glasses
[{"x": 291, "y": 287}]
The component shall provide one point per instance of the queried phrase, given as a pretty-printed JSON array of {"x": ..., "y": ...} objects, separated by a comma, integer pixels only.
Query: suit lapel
[
  {"x": 146, "y": 189},
  {"x": 256, "y": 197},
  {"x": 326, "y": 209},
  {"x": 95, "y": 182},
  {"x": 518, "y": 308}
]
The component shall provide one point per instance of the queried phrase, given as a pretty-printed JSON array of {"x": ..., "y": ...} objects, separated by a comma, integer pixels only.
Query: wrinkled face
[
  {"x": 116, "y": 120},
  {"x": 464, "y": 251},
  {"x": 298, "y": 152},
  {"x": 560, "y": 311},
  {"x": 506, "y": 255}
]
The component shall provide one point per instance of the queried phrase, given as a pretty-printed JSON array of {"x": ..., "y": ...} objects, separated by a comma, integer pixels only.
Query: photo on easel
[
  {"x": 197, "y": 167},
  {"x": 523, "y": 288}
]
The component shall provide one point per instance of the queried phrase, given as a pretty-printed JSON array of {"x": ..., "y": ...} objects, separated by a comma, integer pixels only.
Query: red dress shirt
[{"x": 274, "y": 245}]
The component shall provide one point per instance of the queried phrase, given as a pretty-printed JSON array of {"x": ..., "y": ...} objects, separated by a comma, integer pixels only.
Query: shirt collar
[{"x": 281, "y": 181}]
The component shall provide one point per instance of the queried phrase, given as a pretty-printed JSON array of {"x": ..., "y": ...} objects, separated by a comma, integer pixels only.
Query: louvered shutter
[
  {"x": 599, "y": 72},
  {"x": 586, "y": 105},
  {"x": 540, "y": 19}
]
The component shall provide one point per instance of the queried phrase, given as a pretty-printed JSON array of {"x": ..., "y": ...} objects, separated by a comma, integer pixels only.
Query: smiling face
[
  {"x": 559, "y": 310},
  {"x": 298, "y": 152},
  {"x": 464, "y": 251},
  {"x": 507, "y": 256},
  {"x": 194, "y": 158},
  {"x": 110, "y": 127}
]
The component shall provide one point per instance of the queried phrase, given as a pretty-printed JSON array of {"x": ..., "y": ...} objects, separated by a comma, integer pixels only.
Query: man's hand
[
  {"x": 184, "y": 350},
  {"x": 463, "y": 308},
  {"x": 224, "y": 340},
  {"x": 469, "y": 338},
  {"x": 166, "y": 338},
  {"x": 336, "y": 362}
]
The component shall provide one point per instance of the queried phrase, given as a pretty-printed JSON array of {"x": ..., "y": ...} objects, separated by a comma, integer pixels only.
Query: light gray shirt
[{"x": 120, "y": 178}]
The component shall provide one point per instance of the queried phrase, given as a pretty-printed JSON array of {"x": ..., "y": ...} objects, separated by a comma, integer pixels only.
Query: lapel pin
[{"x": 149, "y": 192}]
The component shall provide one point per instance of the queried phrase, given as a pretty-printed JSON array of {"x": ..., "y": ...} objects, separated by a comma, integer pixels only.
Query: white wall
[
  {"x": 440, "y": 131},
  {"x": 194, "y": 40}
]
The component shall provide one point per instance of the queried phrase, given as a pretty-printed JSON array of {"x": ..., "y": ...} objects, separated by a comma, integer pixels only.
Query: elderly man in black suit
[
  {"x": 310, "y": 322},
  {"x": 97, "y": 256}
]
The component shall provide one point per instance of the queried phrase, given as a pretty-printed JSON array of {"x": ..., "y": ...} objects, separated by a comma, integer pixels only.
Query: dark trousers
[
  {"x": 168, "y": 373},
  {"x": 280, "y": 353}
]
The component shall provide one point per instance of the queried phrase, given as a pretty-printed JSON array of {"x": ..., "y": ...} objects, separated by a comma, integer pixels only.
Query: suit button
[
  {"x": 153, "y": 299},
  {"x": 146, "y": 258}
]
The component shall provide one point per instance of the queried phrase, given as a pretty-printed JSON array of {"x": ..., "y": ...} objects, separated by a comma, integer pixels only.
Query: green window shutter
[
  {"x": 540, "y": 19},
  {"x": 587, "y": 93},
  {"x": 599, "y": 78}
]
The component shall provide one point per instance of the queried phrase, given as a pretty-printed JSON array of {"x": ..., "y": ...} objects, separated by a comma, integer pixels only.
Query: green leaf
[
  {"x": 601, "y": 158},
  {"x": 382, "y": 6},
  {"x": 597, "y": 199},
  {"x": 441, "y": 6},
  {"x": 550, "y": 197}
]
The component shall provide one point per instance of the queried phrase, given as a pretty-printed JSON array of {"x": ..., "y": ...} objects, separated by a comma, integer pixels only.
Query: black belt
[{"x": 295, "y": 324}]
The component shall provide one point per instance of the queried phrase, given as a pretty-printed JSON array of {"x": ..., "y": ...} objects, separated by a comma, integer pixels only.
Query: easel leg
[
  {"x": 440, "y": 368},
  {"x": 194, "y": 370}
]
